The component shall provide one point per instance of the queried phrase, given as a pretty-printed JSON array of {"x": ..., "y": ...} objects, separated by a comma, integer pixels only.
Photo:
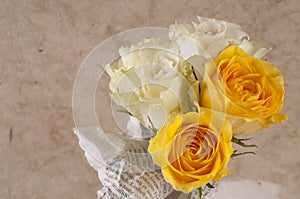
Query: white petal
[
  {"x": 255, "y": 49},
  {"x": 134, "y": 127}
]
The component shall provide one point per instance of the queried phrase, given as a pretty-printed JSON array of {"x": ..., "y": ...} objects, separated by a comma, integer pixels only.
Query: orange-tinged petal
[
  {"x": 195, "y": 151},
  {"x": 245, "y": 88}
]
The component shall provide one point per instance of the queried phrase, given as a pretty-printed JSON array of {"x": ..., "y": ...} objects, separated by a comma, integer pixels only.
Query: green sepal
[
  {"x": 235, "y": 154},
  {"x": 210, "y": 186},
  {"x": 241, "y": 143}
]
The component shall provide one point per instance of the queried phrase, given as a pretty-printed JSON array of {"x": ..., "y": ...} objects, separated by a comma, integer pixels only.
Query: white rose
[
  {"x": 210, "y": 36},
  {"x": 148, "y": 82},
  {"x": 255, "y": 48},
  {"x": 203, "y": 41}
]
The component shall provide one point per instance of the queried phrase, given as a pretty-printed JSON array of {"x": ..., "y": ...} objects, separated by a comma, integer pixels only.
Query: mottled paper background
[{"x": 42, "y": 44}]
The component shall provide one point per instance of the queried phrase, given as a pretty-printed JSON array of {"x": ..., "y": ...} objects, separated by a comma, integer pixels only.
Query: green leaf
[
  {"x": 235, "y": 154},
  {"x": 241, "y": 143},
  {"x": 124, "y": 111},
  {"x": 210, "y": 186},
  {"x": 200, "y": 192}
]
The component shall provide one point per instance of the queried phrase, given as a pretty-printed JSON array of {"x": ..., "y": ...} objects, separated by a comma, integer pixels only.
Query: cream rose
[
  {"x": 210, "y": 36},
  {"x": 152, "y": 82}
]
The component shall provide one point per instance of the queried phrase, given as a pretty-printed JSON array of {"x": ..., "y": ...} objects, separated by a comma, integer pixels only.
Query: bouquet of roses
[{"x": 196, "y": 93}]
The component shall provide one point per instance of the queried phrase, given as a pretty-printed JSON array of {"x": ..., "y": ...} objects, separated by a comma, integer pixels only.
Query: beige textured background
[{"x": 42, "y": 44}]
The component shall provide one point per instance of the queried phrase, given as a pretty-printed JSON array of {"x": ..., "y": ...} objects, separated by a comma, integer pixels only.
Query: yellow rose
[
  {"x": 248, "y": 89},
  {"x": 193, "y": 149}
]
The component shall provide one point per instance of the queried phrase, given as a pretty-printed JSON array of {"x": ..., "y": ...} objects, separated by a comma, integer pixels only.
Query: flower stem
[
  {"x": 200, "y": 192},
  {"x": 152, "y": 128}
]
